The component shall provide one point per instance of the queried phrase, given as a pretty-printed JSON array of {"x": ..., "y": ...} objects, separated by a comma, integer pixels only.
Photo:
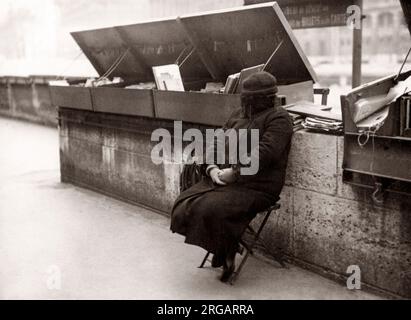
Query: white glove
[
  {"x": 227, "y": 175},
  {"x": 215, "y": 176}
]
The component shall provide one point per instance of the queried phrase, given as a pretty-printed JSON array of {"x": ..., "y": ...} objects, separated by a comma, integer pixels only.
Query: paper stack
[
  {"x": 297, "y": 121},
  {"x": 307, "y": 115},
  {"x": 323, "y": 125}
]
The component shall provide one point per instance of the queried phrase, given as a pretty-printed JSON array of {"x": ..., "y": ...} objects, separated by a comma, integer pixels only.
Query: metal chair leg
[
  {"x": 204, "y": 260},
  {"x": 236, "y": 273},
  {"x": 249, "y": 247}
]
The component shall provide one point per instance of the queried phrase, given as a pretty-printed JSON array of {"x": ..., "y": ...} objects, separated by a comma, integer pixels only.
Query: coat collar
[{"x": 251, "y": 112}]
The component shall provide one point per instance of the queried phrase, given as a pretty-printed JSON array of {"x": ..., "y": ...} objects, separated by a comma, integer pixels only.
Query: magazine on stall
[{"x": 168, "y": 78}]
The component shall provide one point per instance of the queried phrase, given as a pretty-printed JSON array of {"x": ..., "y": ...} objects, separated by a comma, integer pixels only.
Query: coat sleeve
[
  {"x": 227, "y": 125},
  {"x": 273, "y": 144}
]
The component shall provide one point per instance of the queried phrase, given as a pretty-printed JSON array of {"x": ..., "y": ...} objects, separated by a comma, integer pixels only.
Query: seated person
[{"x": 214, "y": 213}]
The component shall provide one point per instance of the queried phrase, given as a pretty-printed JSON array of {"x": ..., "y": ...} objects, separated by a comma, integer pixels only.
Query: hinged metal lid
[
  {"x": 211, "y": 45},
  {"x": 131, "y": 51}
]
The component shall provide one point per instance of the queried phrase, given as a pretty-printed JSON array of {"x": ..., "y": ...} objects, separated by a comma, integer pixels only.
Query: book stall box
[
  {"x": 137, "y": 65},
  {"x": 377, "y": 145},
  {"x": 377, "y": 136}
]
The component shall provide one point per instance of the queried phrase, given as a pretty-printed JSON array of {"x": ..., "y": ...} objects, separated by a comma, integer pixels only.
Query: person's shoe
[
  {"x": 229, "y": 267},
  {"x": 227, "y": 273}
]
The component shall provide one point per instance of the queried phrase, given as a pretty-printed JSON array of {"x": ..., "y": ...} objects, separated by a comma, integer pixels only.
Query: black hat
[{"x": 260, "y": 83}]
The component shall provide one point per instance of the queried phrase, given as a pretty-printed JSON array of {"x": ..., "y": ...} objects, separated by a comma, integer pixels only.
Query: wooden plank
[
  {"x": 312, "y": 110},
  {"x": 123, "y": 101},
  {"x": 378, "y": 156},
  {"x": 71, "y": 97},
  {"x": 194, "y": 107}
]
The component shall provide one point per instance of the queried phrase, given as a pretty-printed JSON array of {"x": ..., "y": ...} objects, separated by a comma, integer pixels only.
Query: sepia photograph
[{"x": 205, "y": 155}]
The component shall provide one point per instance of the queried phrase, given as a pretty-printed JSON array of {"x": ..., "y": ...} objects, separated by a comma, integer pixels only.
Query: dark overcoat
[{"x": 214, "y": 217}]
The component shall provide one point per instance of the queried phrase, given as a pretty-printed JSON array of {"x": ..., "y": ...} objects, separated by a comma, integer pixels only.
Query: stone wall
[
  {"x": 112, "y": 154},
  {"x": 327, "y": 225},
  {"x": 27, "y": 98},
  {"x": 324, "y": 224}
]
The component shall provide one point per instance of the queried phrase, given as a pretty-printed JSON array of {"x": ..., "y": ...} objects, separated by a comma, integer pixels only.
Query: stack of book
[
  {"x": 297, "y": 121},
  {"x": 232, "y": 83},
  {"x": 323, "y": 125},
  {"x": 316, "y": 118}
]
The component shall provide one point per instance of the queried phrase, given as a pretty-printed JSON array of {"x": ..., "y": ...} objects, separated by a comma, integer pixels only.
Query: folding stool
[{"x": 249, "y": 247}]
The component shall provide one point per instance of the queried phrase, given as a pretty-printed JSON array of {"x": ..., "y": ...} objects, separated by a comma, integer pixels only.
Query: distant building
[
  {"x": 36, "y": 31},
  {"x": 385, "y": 31},
  {"x": 385, "y": 36},
  {"x": 164, "y": 8}
]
